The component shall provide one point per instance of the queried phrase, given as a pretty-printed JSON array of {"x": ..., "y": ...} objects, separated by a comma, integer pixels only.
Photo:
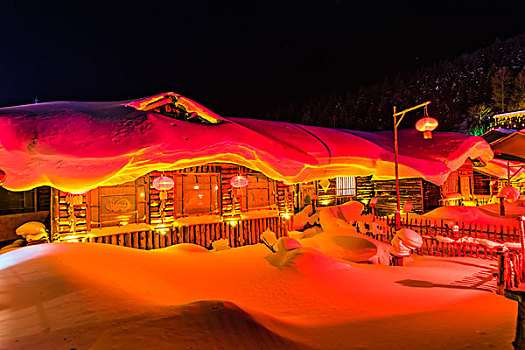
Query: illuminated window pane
[
  {"x": 345, "y": 186},
  {"x": 197, "y": 194}
]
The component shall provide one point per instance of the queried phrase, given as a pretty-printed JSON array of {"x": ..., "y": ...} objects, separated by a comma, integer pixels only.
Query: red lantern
[
  {"x": 426, "y": 125},
  {"x": 2, "y": 177},
  {"x": 163, "y": 183},
  {"x": 239, "y": 181}
]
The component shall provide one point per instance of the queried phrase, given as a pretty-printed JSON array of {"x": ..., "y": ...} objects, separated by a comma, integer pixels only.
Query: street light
[{"x": 426, "y": 125}]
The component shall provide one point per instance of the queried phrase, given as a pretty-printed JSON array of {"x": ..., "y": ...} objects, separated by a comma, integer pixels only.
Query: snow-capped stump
[
  {"x": 404, "y": 241},
  {"x": 268, "y": 238},
  {"x": 220, "y": 244},
  {"x": 304, "y": 218},
  {"x": 33, "y": 232},
  {"x": 30, "y": 228},
  {"x": 287, "y": 250},
  {"x": 410, "y": 238}
]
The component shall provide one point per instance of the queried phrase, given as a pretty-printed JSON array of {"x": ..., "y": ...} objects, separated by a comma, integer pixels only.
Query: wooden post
[
  {"x": 522, "y": 253},
  {"x": 502, "y": 273},
  {"x": 519, "y": 296}
]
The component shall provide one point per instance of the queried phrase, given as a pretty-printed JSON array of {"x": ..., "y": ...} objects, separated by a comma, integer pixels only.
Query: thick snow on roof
[
  {"x": 76, "y": 146},
  {"x": 501, "y": 169}
]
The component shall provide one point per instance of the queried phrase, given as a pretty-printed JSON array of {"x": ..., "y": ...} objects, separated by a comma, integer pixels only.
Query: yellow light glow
[
  {"x": 196, "y": 187},
  {"x": 162, "y": 229},
  {"x": 142, "y": 194},
  {"x": 325, "y": 202},
  {"x": 286, "y": 215}
]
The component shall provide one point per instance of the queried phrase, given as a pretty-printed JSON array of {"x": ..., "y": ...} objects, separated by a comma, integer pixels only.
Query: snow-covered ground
[
  {"x": 96, "y": 296},
  {"x": 484, "y": 215}
]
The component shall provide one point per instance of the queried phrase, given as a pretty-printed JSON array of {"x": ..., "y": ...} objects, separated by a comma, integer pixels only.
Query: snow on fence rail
[
  {"x": 245, "y": 232},
  {"x": 466, "y": 240}
]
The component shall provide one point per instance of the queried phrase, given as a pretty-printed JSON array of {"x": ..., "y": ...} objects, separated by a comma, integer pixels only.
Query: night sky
[{"x": 240, "y": 58}]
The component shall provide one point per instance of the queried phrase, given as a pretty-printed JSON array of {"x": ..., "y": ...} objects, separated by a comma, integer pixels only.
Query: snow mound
[
  {"x": 485, "y": 215},
  {"x": 82, "y": 295}
]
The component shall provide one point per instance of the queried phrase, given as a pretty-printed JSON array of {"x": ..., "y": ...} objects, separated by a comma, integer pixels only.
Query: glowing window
[
  {"x": 197, "y": 194},
  {"x": 345, "y": 186}
]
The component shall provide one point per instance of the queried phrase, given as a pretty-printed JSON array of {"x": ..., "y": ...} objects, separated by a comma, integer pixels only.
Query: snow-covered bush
[
  {"x": 268, "y": 237},
  {"x": 220, "y": 244},
  {"x": 404, "y": 241},
  {"x": 305, "y": 217},
  {"x": 286, "y": 251}
]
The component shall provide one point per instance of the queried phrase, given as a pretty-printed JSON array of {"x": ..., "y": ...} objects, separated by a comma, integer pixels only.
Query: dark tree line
[{"x": 460, "y": 90}]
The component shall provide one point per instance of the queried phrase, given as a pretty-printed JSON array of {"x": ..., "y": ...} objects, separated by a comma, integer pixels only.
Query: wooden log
[
  {"x": 142, "y": 239},
  {"x": 502, "y": 273},
  {"x": 186, "y": 234},
  {"x": 162, "y": 239},
  {"x": 207, "y": 235},
  {"x": 135, "y": 240},
  {"x": 169, "y": 238},
  {"x": 149, "y": 240}
]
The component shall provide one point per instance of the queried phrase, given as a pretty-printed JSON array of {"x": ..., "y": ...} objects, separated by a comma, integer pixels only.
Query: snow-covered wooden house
[{"x": 157, "y": 171}]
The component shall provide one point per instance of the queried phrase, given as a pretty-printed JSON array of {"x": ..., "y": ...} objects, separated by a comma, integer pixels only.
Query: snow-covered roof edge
[{"x": 76, "y": 146}]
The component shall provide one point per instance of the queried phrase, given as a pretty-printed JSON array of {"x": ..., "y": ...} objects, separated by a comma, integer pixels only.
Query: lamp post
[{"x": 426, "y": 125}]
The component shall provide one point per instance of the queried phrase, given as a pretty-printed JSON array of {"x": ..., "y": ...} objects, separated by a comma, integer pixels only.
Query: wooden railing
[
  {"x": 245, "y": 232},
  {"x": 462, "y": 244},
  {"x": 498, "y": 233}
]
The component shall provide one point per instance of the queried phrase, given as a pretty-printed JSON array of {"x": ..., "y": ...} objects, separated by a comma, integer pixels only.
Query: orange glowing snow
[{"x": 77, "y": 146}]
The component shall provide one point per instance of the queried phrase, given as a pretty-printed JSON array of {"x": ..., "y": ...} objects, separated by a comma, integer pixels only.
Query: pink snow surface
[
  {"x": 77, "y": 146},
  {"x": 96, "y": 296},
  {"x": 482, "y": 215}
]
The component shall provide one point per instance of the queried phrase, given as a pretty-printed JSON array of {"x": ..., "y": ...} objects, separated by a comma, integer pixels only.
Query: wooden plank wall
[
  {"x": 246, "y": 232},
  {"x": 431, "y": 196},
  {"x": 409, "y": 190},
  {"x": 43, "y": 198},
  {"x": 328, "y": 197},
  {"x": 364, "y": 188},
  {"x": 64, "y": 223},
  {"x": 482, "y": 184},
  {"x": 285, "y": 198},
  {"x": 154, "y": 201},
  {"x": 231, "y": 207}
]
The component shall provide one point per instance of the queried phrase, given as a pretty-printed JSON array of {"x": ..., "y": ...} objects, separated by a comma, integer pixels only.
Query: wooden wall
[
  {"x": 482, "y": 184},
  {"x": 229, "y": 207},
  {"x": 328, "y": 197},
  {"x": 246, "y": 232},
  {"x": 70, "y": 214},
  {"x": 431, "y": 196},
  {"x": 364, "y": 188},
  {"x": 409, "y": 190}
]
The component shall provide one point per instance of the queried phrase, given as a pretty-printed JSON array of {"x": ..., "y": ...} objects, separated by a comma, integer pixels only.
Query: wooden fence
[
  {"x": 461, "y": 243},
  {"x": 245, "y": 232},
  {"x": 497, "y": 233}
]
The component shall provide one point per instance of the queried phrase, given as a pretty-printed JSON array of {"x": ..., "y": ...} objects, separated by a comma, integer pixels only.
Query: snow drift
[{"x": 77, "y": 146}]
